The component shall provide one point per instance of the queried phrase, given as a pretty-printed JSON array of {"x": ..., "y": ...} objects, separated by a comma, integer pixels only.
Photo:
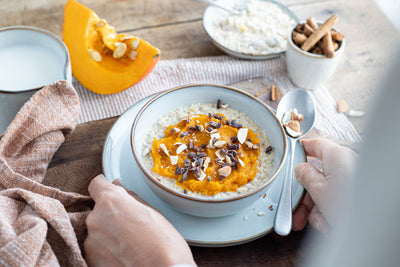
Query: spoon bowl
[{"x": 303, "y": 102}]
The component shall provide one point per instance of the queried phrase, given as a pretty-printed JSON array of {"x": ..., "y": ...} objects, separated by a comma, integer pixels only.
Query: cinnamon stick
[
  {"x": 337, "y": 36},
  {"x": 313, "y": 24},
  {"x": 298, "y": 38},
  {"x": 308, "y": 30},
  {"x": 328, "y": 45},
  {"x": 319, "y": 33}
]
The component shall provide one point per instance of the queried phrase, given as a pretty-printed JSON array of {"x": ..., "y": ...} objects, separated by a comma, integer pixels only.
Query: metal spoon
[
  {"x": 212, "y": 3},
  {"x": 303, "y": 102}
]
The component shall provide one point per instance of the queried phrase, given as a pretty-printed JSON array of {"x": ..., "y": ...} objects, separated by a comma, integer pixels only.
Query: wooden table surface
[{"x": 175, "y": 26}]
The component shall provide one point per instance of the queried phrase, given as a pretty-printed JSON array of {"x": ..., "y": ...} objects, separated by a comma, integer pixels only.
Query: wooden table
[{"x": 175, "y": 26}]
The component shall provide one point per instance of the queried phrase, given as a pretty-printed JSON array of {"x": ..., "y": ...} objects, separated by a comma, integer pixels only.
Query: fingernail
[{"x": 316, "y": 225}]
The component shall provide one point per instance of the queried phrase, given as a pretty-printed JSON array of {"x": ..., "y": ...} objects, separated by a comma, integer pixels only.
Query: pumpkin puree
[{"x": 214, "y": 183}]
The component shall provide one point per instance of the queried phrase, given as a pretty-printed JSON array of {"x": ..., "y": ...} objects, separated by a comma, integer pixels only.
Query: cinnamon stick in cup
[
  {"x": 327, "y": 45},
  {"x": 319, "y": 33}
]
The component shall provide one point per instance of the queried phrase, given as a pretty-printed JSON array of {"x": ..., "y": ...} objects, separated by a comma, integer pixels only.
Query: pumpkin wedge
[{"x": 104, "y": 61}]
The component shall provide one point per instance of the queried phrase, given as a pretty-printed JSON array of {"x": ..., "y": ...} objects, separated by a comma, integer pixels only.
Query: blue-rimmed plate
[{"x": 244, "y": 226}]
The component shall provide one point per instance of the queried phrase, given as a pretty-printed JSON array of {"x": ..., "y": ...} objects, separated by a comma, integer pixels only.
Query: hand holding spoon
[{"x": 295, "y": 99}]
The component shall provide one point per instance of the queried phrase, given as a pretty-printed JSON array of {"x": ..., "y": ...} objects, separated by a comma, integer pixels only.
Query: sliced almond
[
  {"x": 292, "y": 133},
  {"x": 210, "y": 144},
  {"x": 224, "y": 105},
  {"x": 96, "y": 56},
  {"x": 178, "y": 144},
  {"x": 228, "y": 160},
  {"x": 249, "y": 144},
  {"x": 181, "y": 148},
  {"x": 294, "y": 125},
  {"x": 297, "y": 117},
  {"x": 219, "y": 143},
  {"x": 215, "y": 136},
  {"x": 174, "y": 130},
  {"x": 225, "y": 171},
  {"x": 202, "y": 176},
  {"x": 356, "y": 113},
  {"x": 173, "y": 159},
  {"x": 242, "y": 135},
  {"x": 206, "y": 162},
  {"x": 256, "y": 146},
  {"x": 342, "y": 106},
  {"x": 219, "y": 154},
  {"x": 164, "y": 148}
]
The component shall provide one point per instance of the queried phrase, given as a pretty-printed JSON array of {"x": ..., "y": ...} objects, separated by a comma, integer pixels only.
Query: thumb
[{"x": 312, "y": 180}]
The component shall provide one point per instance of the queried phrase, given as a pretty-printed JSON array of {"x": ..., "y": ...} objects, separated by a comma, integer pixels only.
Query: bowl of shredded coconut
[{"x": 260, "y": 31}]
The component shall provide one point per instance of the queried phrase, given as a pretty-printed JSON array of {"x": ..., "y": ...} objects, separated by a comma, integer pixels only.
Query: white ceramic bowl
[
  {"x": 212, "y": 13},
  {"x": 207, "y": 94},
  {"x": 308, "y": 70}
]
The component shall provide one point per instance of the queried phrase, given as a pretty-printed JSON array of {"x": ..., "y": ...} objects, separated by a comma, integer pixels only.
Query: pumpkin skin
[{"x": 82, "y": 34}]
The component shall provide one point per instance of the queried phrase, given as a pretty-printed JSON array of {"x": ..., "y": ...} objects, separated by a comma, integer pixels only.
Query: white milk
[{"x": 27, "y": 66}]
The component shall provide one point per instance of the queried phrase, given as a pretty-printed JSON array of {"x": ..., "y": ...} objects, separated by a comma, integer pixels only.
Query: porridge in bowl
[{"x": 208, "y": 151}]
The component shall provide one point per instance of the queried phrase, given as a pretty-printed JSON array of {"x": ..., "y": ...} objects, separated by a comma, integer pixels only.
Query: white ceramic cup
[{"x": 307, "y": 70}]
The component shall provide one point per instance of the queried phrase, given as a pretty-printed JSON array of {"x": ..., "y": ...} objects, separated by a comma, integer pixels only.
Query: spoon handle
[
  {"x": 212, "y": 3},
  {"x": 283, "y": 216}
]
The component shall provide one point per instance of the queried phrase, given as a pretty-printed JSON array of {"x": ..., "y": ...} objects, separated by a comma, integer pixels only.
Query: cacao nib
[
  {"x": 236, "y": 124},
  {"x": 183, "y": 134},
  {"x": 227, "y": 122},
  {"x": 213, "y": 124},
  {"x": 234, "y": 139},
  {"x": 210, "y": 115},
  {"x": 203, "y": 146},
  {"x": 218, "y": 117},
  {"x": 201, "y": 155},
  {"x": 269, "y": 150},
  {"x": 184, "y": 175},
  {"x": 187, "y": 163},
  {"x": 209, "y": 129},
  {"x": 219, "y": 125},
  {"x": 192, "y": 155},
  {"x": 185, "y": 191},
  {"x": 178, "y": 170},
  {"x": 208, "y": 178},
  {"x": 219, "y": 103},
  {"x": 192, "y": 128}
]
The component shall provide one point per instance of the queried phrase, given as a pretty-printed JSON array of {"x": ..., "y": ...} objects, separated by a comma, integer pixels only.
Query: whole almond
[
  {"x": 294, "y": 125},
  {"x": 342, "y": 106},
  {"x": 275, "y": 93}
]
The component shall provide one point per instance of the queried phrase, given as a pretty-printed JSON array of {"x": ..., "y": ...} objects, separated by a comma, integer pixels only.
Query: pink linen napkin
[{"x": 40, "y": 225}]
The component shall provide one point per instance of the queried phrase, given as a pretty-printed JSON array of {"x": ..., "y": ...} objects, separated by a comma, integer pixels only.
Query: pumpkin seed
[
  {"x": 132, "y": 55},
  {"x": 135, "y": 44},
  {"x": 120, "y": 50},
  {"x": 96, "y": 56}
]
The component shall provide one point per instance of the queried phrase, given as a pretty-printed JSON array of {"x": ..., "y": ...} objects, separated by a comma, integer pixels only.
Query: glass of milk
[{"x": 30, "y": 58}]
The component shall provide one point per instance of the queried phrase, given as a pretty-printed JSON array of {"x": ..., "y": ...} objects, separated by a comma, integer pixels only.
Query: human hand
[
  {"x": 323, "y": 188},
  {"x": 124, "y": 231}
]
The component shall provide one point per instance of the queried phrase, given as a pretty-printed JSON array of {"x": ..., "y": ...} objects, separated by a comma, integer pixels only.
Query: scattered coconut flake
[
  {"x": 173, "y": 159},
  {"x": 181, "y": 148},
  {"x": 242, "y": 135},
  {"x": 260, "y": 213},
  {"x": 215, "y": 135},
  {"x": 206, "y": 162},
  {"x": 241, "y": 162},
  {"x": 164, "y": 148},
  {"x": 225, "y": 171},
  {"x": 356, "y": 113},
  {"x": 245, "y": 218}
]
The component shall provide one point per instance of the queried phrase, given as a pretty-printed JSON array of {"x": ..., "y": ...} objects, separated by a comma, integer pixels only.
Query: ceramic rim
[{"x": 169, "y": 190}]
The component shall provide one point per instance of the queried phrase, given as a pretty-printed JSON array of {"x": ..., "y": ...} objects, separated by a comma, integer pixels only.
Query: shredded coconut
[{"x": 260, "y": 29}]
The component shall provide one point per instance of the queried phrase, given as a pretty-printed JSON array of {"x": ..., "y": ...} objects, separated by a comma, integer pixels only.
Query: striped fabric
[{"x": 217, "y": 70}]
